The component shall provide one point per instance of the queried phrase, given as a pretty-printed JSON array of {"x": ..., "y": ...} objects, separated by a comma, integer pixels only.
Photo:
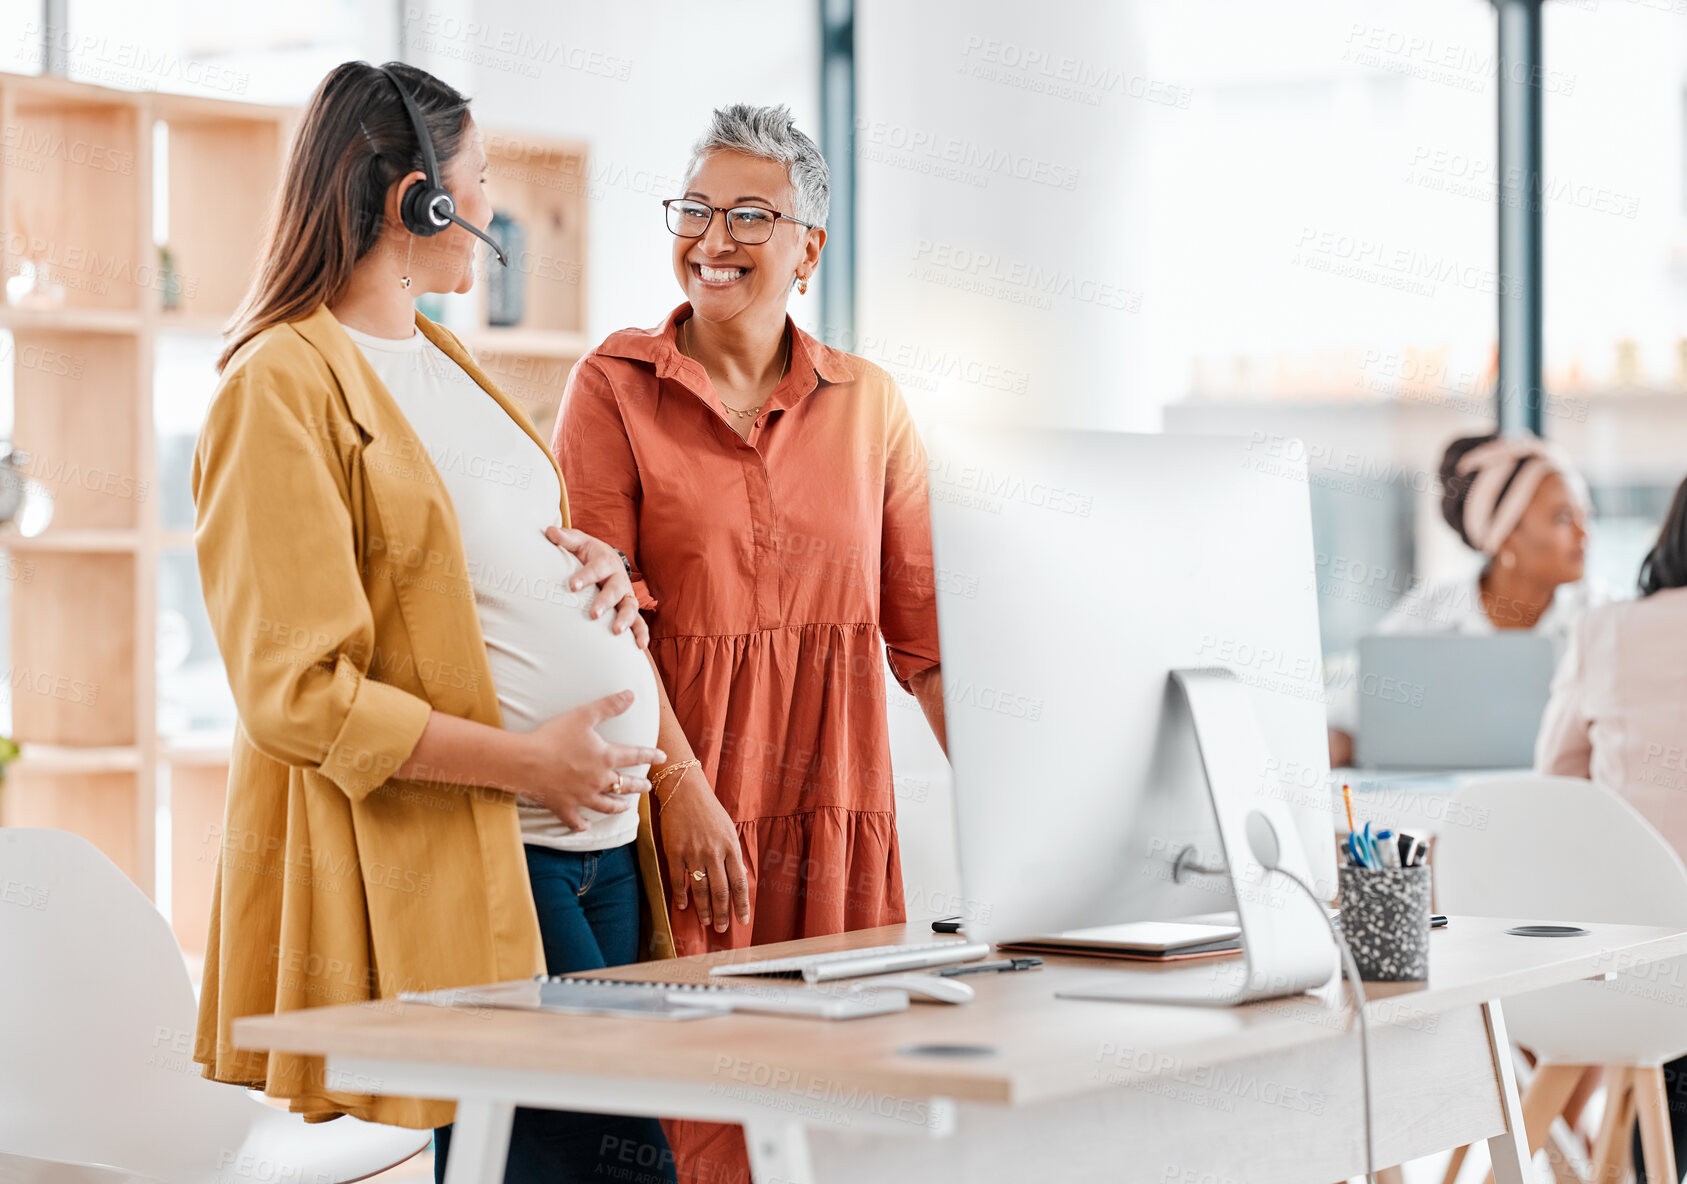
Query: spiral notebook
[{"x": 666, "y": 1001}]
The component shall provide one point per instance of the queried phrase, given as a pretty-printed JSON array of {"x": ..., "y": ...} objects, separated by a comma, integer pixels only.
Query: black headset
[{"x": 427, "y": 208}]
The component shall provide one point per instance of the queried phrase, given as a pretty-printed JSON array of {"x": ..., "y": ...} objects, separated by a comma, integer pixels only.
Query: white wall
[
  {"x": 1615, "y": 216},
  {"x": 1003, "y": 265},
  {"x": 1003, "y": 258},
  {"x": 636, "y": 82}
]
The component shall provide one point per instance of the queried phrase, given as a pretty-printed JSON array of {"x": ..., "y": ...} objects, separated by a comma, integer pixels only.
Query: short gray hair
[{"x": 770, "y": 133}]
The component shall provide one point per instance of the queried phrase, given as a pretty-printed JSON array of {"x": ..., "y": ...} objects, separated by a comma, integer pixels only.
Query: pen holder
[{"x": 1385, "y": 920}]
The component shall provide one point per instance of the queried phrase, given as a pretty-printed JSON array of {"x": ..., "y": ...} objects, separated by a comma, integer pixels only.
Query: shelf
[
  {"x": 76, "y": 652},
  {"x": 204, "y": 752},
  {"x": 74, "y": 201},
  {"x": 196, "y": 748},
  {"x": 542, "y": 184},
  {"x": 536, "y": 383},
  {"x": 197, "y": 109},
  {"x": 97, "y": 794},
  {"x": 198, "y": 801},
  {"x": 77, "y": 414},
  {"x": 68, "y": 758},
  {"x": 40, "y": 89},
  {"x": 23, "y": 319},
  {"x": 199, "y": 324},
  {"x": 75, "y": 541},
  {"x": 217, "y": 229},
  {"x": 529, "y": 365},
  {"x": 527, "y": 343},
  {"x": 1650, "y": 397}
]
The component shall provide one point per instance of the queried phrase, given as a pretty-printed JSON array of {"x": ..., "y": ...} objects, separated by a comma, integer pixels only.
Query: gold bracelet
[
  {"x": 677, "y": 771},
  {"x": 667, "y": 771},
  {"x": 678, "y": 767}
]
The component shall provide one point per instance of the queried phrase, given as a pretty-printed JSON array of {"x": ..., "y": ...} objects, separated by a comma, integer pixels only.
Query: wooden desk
[{"x": 1052, "y": 1089}]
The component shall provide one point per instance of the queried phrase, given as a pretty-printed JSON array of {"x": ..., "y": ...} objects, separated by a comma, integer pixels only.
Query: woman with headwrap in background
[{"x": 1516, "y": 500}]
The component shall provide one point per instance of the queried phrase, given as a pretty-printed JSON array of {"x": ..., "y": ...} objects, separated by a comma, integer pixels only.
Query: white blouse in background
[{"x": 1618, "y": 713}]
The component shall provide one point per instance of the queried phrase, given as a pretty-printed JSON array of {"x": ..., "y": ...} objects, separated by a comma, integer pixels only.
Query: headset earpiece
[
  {"x": 426, "y": 207},
  {"x": 416, "y": 209}
]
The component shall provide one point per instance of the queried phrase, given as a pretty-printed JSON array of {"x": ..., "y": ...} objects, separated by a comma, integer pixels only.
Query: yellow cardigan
[{"x": 335, "y": 580}]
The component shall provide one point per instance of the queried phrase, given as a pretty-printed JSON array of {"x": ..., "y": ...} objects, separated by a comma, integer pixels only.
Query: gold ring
[
  {"x": 617, "y": 788},
  {"x": 699, "y": 874}
]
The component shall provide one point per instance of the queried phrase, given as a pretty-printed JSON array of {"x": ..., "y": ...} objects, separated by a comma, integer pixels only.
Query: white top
[
  {"x": 547, "y": 656},
  {"x": 1618, "y": 713},
  {"x": 1452, "y": 606}
]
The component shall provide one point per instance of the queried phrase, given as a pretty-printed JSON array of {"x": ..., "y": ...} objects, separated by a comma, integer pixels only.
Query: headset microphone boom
[{"x": 427, "y": 207}]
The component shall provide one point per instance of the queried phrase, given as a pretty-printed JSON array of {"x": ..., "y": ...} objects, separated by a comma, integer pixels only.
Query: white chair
[
  {"x": 97, "y": 1079},
  {"x": 1560, "y": 849}
]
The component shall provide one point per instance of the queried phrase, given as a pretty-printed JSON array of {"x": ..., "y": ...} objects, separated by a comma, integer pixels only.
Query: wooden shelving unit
[
  {"x": 539, "y": 181},
  {"x": 77, "y": 194},
  {"x": 76, "y": 199}
]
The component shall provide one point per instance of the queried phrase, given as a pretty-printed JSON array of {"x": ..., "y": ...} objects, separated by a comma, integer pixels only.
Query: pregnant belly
[{"x": 548, "y": 657}]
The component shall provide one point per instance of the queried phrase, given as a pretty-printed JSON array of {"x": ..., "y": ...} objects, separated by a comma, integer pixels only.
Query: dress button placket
[{"x": 764, "y": 526}]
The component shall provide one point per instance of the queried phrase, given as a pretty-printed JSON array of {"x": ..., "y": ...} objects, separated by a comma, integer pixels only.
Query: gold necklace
[{"x": 685, "y": 348}]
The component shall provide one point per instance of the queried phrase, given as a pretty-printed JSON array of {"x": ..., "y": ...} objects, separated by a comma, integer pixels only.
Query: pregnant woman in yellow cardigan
[{"x": 446, "y": 713}]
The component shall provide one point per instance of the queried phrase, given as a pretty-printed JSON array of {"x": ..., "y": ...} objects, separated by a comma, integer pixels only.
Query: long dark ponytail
[
  {"x": 353, "y": 141},
  {"x": 1665, "y": 565}
]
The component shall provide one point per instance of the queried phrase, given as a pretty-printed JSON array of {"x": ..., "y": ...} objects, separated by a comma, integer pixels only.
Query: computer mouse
[{"x": 924, "y": 988}]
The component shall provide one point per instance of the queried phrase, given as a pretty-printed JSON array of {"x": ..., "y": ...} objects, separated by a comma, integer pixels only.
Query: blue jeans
[{"x": 588, "y": 904}]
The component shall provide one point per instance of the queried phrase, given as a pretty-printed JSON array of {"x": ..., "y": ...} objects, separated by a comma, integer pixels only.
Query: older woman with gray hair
[{"x": 769, "y": 493}]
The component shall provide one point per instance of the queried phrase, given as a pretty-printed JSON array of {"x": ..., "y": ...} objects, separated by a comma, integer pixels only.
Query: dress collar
[{"x": 811, "y": 361}]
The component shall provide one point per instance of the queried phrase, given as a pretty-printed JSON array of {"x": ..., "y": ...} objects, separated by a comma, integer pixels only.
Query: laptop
[{"x": 1452, "y": 701}]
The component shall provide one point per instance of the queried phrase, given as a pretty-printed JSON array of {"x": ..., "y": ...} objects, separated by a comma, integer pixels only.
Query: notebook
[{"x": 1157, "y": 941}]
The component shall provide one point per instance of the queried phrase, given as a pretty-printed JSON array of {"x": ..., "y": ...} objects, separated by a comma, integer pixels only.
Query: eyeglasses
[{"x": 750, "y": 225}]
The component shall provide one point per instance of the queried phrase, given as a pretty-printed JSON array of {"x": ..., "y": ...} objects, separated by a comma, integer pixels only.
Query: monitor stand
[{"x": 1286, "y": 944}]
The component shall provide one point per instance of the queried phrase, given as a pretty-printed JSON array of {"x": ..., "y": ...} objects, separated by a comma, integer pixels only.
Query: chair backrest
[
  {"x": 97, "y": 1017},
  {"x": 1531, "y": 846},
  {"x": 1557, "y": 849}
]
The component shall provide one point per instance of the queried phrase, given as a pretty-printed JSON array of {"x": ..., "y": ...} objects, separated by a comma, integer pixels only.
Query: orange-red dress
[{"x": 771, "y": 571}]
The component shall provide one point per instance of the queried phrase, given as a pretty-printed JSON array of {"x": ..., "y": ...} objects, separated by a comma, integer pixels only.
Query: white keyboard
[
  {"x": 820, "y": 968},
  {"x": 670, "y": 1001}
]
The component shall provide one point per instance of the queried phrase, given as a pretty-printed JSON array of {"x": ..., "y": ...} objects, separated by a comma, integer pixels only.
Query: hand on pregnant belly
[
  {"x": 601, "y": 564},
  {"x": 570, "y": 766}
]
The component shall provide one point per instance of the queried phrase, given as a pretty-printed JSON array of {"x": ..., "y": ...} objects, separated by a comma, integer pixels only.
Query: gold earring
[
  {"x": 802, "y": 285},
  {"x": 404, "y": 280}
]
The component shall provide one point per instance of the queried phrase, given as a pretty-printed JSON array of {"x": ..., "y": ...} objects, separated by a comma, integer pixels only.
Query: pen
[
  {"x": 988, "y": 967},
  {"x": 1347, "y": 796}
]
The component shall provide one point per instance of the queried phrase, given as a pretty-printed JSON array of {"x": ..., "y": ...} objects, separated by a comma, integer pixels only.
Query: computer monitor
[{"x": 1075, "y": 572}]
